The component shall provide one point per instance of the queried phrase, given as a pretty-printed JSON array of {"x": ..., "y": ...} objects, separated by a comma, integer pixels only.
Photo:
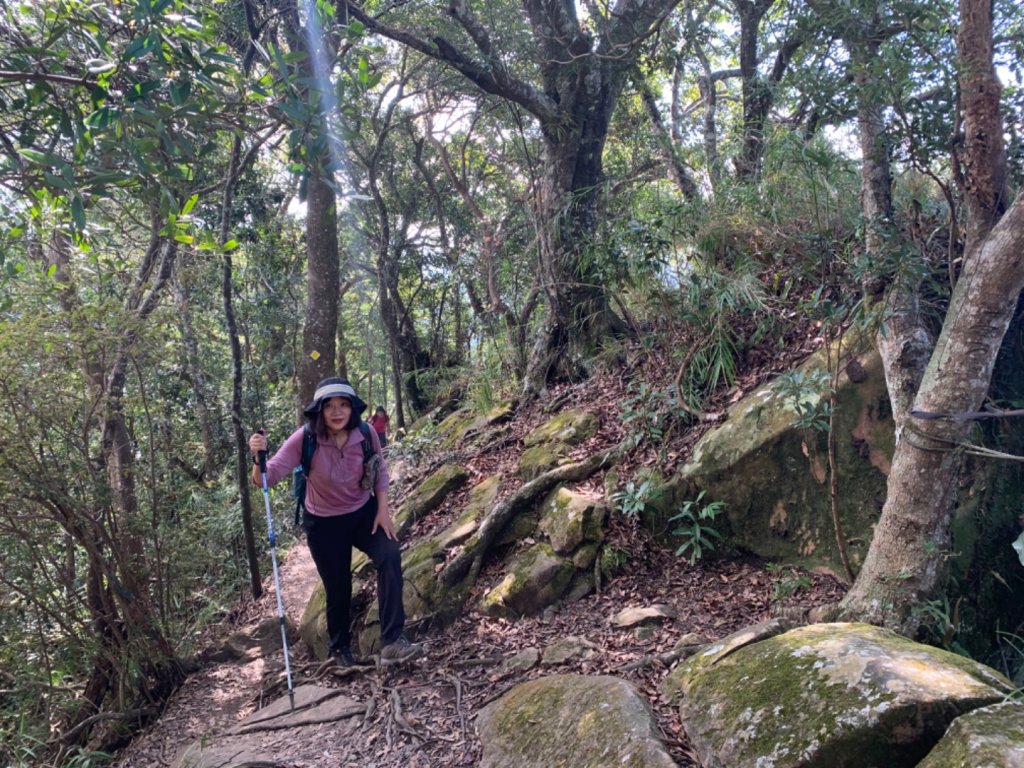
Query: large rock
[
  {"x": 429, "y": 495},
  {"x": 245, "y": 744},
  {"x": 556, "y": 570},
  {"x": 572, "y": 519},
  {"x": 422, "y": 594},
  {"x": 826, "y": 695},
  {"x": 571, "y": 721},
  {"x": 466, "y": 427},
  {"x": 547, "y": 446},
  {"x": 991, "y": 737},
  {"x": 536, "y": 579},
  {"x": 773, "y": 475},
  {"x": 569, "y": 427}
]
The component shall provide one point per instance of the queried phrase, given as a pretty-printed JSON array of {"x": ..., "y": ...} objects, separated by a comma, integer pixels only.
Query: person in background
[
  {"x": 379, "y": 422},
  {"x": 341, "y": 514}
]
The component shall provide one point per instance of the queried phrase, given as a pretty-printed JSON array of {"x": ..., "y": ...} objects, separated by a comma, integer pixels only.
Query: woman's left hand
[{"x": 383, "y": 521}]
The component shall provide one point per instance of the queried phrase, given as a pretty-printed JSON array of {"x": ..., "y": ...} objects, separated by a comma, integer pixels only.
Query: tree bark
[
  {"x": 322, "y": 283},
  {"x": 756, "y": 93},
  {"x": 322, "y": 265},
  {"x": 907, "y": 562},
  {"x": 190, "y": 344},
  {"x": 677, "y": 170},
  {"x": 238, "y": 432}
]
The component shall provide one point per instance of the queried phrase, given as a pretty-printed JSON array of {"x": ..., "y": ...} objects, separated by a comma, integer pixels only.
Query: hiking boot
[
  {"x": 343, "y": 658},
  {"x": 400, "y": 651}
]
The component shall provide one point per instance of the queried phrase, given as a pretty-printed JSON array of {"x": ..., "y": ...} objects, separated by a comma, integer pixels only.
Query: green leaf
[
  {"x": 101, "y": 118},
  {"x": 229, "y": 246},
  {"x": 78, "y": 212},
  {"x": 187, "y": 239},
  {"x": 180, "y": 92},
  {"x": 189, "y": 205},
  {"x": 43, "y": 158}
]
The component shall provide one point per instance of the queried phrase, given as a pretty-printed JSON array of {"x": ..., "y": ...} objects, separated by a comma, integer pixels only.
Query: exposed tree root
[{"x": 467, "y": 564}]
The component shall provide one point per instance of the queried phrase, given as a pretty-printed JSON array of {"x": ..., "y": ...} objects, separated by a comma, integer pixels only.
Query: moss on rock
[
  {"x": 535, "y": 461},
  {"x": 816, "y": 695},
  {"x": 572, "y": 519},
  {"x": 430, "y": 494},
  {"x": 536, "y": 579},
  {"x": 571, "y": 721},
  {"x": 990, "y": 737},
  {"x": 568, "y": 427},
  {"x": 773, "y": 476}
]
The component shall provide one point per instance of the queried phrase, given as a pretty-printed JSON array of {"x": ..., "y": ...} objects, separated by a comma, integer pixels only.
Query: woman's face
[{"x": 337, "y": 411}]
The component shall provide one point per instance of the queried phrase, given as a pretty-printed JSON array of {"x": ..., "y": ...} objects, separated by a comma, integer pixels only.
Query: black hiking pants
[{"x": 330, "y": 541}]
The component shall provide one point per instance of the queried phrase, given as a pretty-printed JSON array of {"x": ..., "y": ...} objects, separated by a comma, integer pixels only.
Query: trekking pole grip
[{"x": 261, "y": 456}]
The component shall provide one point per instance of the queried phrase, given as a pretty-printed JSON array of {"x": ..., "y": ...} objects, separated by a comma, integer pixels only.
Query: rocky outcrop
[
  {"x": 990, "y": 737},
  {"x": 547, "y": 446},
  {"x": 246, "y": 744},
  {"x": 773, "y": 474},
  {"x": 825, "y": 695},
  {"x": 571, "y": 720},
  {"x": 465, "y": 427},
  {"x": 561, "y": 567},
  {"x": 429, "y": 495}
]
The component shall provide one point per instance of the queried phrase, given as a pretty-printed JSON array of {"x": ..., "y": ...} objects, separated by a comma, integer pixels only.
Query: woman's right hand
[{"x": 257, "y": 443}]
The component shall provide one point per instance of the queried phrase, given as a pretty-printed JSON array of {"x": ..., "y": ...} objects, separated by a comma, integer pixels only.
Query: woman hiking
[
  {"x": 379, "y": 422},
  {"x": 341, "y": 514}
]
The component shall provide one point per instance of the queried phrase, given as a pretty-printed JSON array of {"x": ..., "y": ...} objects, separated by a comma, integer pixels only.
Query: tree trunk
[
  {"x": 579, "y": 316},
  {"x": 195, "y": 377},
  {"x": 908, "y": 559},
  {"x": 243, "y": 474},
  {"x": 580, "y": 72},
  {"x": 904, "y": 340},
  {"x": 756, "y": 94},
  {"x": 677, "y": 170},
  {"x": 124, "y": 620},
  {"x": 322, "y": 280}
]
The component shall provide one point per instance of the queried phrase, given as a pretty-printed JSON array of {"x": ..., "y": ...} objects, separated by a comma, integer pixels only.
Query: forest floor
[
  {"x": 439, "y": 695},
  {"x": 422, "y": 715}
]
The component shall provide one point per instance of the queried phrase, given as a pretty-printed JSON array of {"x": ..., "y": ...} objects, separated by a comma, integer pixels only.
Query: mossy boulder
[
  {"x": 422, "y": 594},
  {"x": 535, "y": 461},
  {"x": 773, "y": 475},
  {"x": 827, "y": 695},
  {"x": 467, "y": 425},
  {"x": 571, "y": 721},
  {"x": 313, "y": 624},
  {"x": 568, "y": 427},
  {"x": 536, "y": 579},
  {"x": 429, "y": 495},
  {"x": 455, "y": 426},
  {"x": 571, "y": 520},
  {"x": 547, "y": 446},
  {"x": 990, "y": 737}
]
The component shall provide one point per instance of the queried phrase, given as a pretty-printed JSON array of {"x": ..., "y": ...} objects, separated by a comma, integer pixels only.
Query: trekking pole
[{"x": 262, "y": 455}]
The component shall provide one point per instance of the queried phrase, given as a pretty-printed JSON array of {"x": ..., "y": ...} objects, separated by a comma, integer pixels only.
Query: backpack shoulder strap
[
  {"x": 308, "y": 448},
  {"x": 368, "y": 451},
  {"x": 301, "y": 472}
]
